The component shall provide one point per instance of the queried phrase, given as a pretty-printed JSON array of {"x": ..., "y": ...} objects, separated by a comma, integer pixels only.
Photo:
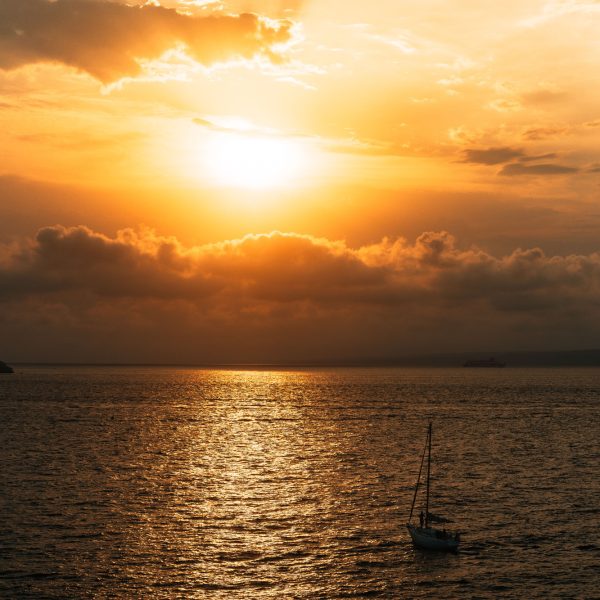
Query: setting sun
[{"x": 252, "y": 162}]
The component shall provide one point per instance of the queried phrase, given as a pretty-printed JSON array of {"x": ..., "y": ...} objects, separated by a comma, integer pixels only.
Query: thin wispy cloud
[
  {"x": 516, "y": 169},
  {"x": 492, "y": 156}
]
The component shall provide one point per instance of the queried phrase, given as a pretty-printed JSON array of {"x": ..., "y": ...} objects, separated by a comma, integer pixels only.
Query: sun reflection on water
[{"x": 190, "y": 483}]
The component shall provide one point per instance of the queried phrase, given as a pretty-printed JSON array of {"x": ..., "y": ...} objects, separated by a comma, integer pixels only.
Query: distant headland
[{"x": 4, "y": 368}]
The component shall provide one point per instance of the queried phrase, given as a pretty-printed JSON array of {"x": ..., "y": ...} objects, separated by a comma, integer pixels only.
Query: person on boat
[{"x": 421, "y": 519}]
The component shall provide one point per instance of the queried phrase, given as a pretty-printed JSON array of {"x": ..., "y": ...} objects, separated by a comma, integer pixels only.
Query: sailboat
[{"x": 424, "y": 536}]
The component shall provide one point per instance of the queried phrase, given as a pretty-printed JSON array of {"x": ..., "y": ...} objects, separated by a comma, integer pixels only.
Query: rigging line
[
  {"x": 428, "y": 478},
  {"x": 418, "y": 479}
]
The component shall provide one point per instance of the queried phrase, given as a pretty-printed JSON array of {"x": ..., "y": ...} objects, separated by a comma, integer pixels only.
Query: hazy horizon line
[{"x": 511, "y": 357}]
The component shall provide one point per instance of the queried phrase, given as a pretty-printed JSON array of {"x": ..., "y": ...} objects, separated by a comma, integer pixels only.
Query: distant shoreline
[{"x": 567, "y": 358}]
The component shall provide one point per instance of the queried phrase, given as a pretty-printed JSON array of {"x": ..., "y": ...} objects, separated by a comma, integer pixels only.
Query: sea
[{"x": 164, "y": 482}]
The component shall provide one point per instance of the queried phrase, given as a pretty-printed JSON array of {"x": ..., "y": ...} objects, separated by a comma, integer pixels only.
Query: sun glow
[{"x": 247, "y": 161}]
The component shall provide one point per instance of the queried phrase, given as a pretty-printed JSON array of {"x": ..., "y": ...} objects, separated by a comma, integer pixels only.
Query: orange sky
[{"x": 197, "y": 180}]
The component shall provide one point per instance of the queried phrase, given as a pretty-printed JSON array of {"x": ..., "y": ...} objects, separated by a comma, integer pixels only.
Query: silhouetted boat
[
  {"x": 486, "y": 362},
  {"x": 4, "y": 368},
  {"x": 424, "y": 536}
]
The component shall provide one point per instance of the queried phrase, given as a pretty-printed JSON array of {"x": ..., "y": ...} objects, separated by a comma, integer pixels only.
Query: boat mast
[
  {"x": 428, "y": 477},
  {"x": 418, "y": 480}
]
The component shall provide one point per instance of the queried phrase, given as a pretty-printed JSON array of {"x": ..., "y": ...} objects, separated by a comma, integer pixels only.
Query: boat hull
[{"x": 431, "y": 539}]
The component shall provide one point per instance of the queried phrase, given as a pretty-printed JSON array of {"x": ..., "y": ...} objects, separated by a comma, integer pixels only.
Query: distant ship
[
  {"x": 4, "y": 368},
  {"x": 486, "y": 362}
]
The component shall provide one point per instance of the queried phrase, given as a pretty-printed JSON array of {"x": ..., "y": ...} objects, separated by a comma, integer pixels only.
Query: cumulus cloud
[
  {"x": 280, "y": 268},
  {"x": 111, "y": 41},
  {"x": 283, "y": 295}
]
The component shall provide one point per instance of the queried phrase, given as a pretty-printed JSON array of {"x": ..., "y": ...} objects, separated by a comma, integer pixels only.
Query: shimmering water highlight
[{"x": 184, "y": 483}]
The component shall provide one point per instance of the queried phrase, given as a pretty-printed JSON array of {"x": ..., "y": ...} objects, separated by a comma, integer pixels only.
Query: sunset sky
[{"x": 287, "y": 180}]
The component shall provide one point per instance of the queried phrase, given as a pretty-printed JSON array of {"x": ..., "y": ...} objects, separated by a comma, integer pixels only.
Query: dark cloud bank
[
  {"x": 74, "y": 292},
  {"x": 108, "y": 40}
]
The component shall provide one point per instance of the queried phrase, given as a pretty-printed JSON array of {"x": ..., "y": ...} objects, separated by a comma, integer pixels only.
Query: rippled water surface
[{"x": 184, "y": 483}]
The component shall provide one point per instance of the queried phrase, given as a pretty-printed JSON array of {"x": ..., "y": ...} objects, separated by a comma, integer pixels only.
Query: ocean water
[{"x": 190, "y": 483}]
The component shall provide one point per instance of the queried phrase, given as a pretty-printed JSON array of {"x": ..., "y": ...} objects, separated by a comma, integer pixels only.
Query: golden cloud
[
  {"x": 76, "y": 294},
  {"x": 283, "y": 268},
  {"x": 111, "y": 41}
]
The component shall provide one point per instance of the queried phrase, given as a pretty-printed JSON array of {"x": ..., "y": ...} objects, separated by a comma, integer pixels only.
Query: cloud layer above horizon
[{"x": 71, "y": 277}]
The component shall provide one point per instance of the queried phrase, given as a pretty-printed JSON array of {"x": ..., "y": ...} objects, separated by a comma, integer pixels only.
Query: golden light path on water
[{"x": 264, "y": 476}]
